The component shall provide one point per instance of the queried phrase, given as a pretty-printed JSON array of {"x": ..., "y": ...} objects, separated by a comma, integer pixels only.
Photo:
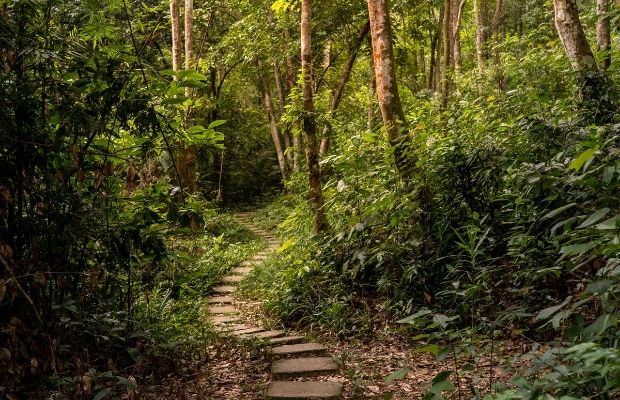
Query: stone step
[
  {"x": 220, "y": 299},
  {"x": 264, "y": 335},
  {"x": 224, "y": 289},
  {"x": 279, "y": 390},
  {"x": 259, "y": 258},
  {"x": 286, "y": 340},
  {"x": 242, "y": 270},
  {"x": 303, "y": 367},
  {"x": 232, "y": 279},
  {"x": 230, "y": 327},
  {"x": 247, "y": 331},
  {"x": 302, "y": 349},
  {"x": 225, "y": 319},
  {"x": 246, "y": 264},
  {"x": 222, "y": 310}
]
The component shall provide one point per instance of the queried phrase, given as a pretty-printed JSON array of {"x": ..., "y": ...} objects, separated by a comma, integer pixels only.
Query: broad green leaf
[
  {"x": 443, "y": 320},
  {"x": 600, "y": 286},
  {"x": 582, "y": 159},
  {"x": 410, "y": 319},
  {"x": 217, "y": 123},
  {"x": 547, "y": 312},
  {"x": 429, "y": 348},
  {"x": 594, "y": 218},
  {"x": 102, "y": 393},
  {"x": 577, "y": 248},
  {"x": 398, "y": 374},
  {"x": 555, "y": 212},
  {"x": 610, "y": 224},
  {"x": 442, "y": 386}
]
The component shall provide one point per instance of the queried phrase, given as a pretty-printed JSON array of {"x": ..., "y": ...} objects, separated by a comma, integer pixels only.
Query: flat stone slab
[
  {"x": 265, "y": 335},
  {"x": 224, "y": 289},
  {"x": 259, "y": 257},
  {"x": 246, "y": 264},
  {"x": 225, "y": 319},
  {"x": 242, "y": 270},
  {"x": 304, "y": 390},
  {"x": 302, "y": 349},
  {"x": 247, "y": 331},
  {"x": 230, "y": 327},
  {"x": 220, "y": 299},
  {"x": 222, "y": 310},
  {"x": 303, "y": 367},
  {"x": 286, "y": 340},
  {"x": 232, "y": 279}
]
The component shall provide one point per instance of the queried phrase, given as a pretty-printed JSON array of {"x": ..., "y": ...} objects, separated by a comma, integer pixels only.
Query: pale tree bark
[
  {"x": 497, "y": 41},
  {"x": 481, "y": 13},
  {"x": 387, "y": 89},
  {"x": 291, "y": 78},
  {"x": 176, "y": 36},
  {"x": 446, "y": 75},
  {"x": 275, "y": 135},
  {"x": 309, "y": 123},
  {"x": 572, "y": 35},
  {"x": 281, "y": 101},
  {"x": 603, "y": 32},
  {"x": 592, "y": 85},
  {"x": 459, "y": 5},
  {"x": 342, "y": 82}
]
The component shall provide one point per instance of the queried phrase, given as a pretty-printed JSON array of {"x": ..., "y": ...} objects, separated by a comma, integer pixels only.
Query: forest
[{"x": 297, "y": 199}]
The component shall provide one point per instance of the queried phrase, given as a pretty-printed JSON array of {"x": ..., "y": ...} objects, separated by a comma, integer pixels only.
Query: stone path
[{"x": 292, "y": 358}]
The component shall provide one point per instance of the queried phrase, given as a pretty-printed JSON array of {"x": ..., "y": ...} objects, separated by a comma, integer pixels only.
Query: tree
[
  {"x": 176, "y": 35},
  {"x": 387, "y": 89},
  {"x": 603, "y": 32},
  {"x": 273, "y": 126},
  {"x": 308, "y": 121},
  {"x": 481, "y": 13},
  {"x": 342, "y": 82},
  {"x": 572, "y": 35}
]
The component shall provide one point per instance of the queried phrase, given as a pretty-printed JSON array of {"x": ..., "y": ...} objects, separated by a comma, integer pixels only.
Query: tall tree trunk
[
  {"x": 387, "y": 89},
  {"x": 342, "y": 82},
  {"x": 275, "y": 135},
  {"x": 572, "y": 35},
  {"x": 446, "y": 76},
  {"x": 291, "y": 77},
  {"x": 497, "y": 41},
  {"x": 281, "y": 101},
  {"x": 603, "y": 32},
  {"x": 188, "y": 153},
  {"x": 456, "y": 33},
  {"x": 176, "y": 36},
  {"x": 372, "y": 94},
  {"x": 309, "y": 123},
  {"x": 592, "y": 86},
  {"x": 481, "y": 12}
]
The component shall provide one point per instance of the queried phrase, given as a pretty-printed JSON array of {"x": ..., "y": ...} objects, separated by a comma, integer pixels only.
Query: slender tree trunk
[
  {"x": 188, "y": 153},
  {"x": 446, "y": 76},
  {"x": 275, "y": 135},
  {"x": 603, "y": 32},
  {"x": 438, "y": 52},
  {"x": 481, "y": 12},
  {"x": 309, "y": 123},
  {"x": 387, "y": 89},
  {"x": 291, "y": 77},
  {"x": 497, "y": 41},
  {"x": 422, "y": 64},
  {"x": 281, "y": 101},
  {"x": 342, "y": 82},
  {"x": 456, "y": 32},
  {"x": 176, "y": 36}
]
